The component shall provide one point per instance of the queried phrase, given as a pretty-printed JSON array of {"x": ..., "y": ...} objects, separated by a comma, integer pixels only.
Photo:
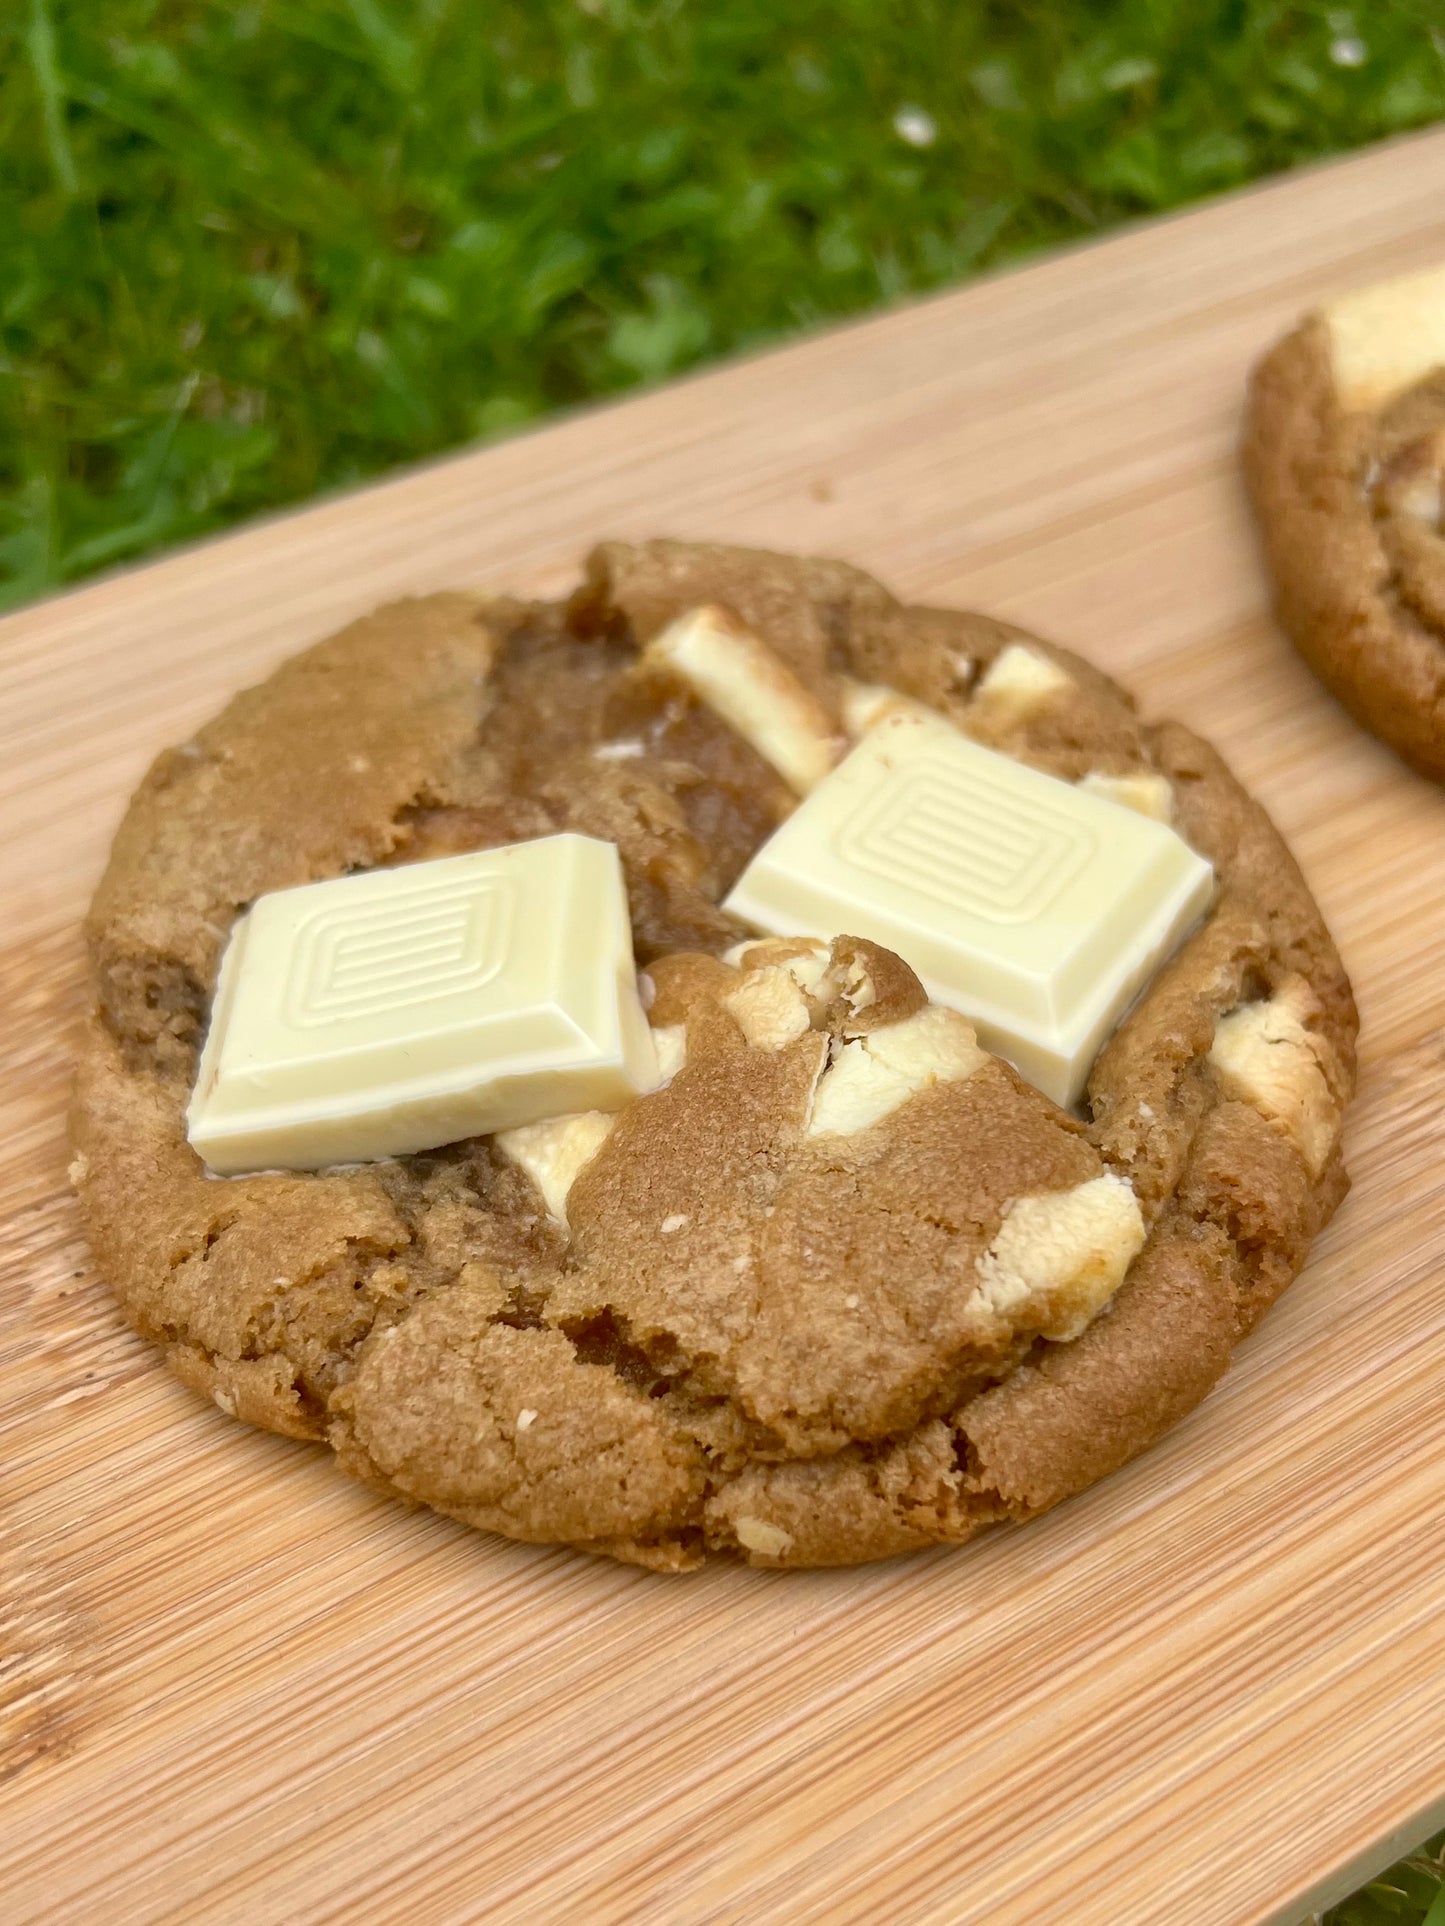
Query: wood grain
[{"x": 235, "y": 1688}]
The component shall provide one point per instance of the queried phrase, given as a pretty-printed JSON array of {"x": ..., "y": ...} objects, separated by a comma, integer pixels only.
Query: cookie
[
  {"x": 1345, "y": 455},
  {"x": 845, "y": 1285}
]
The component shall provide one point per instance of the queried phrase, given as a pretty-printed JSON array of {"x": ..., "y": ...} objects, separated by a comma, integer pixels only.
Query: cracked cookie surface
[{"x": 845, "y": 1286}]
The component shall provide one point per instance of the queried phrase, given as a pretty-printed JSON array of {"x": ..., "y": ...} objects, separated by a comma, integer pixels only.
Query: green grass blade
[{"x": 40, "y": 45}]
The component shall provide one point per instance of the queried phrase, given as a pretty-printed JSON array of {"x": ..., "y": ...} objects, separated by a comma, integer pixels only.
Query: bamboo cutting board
[{"x": 234, "y": 1687}]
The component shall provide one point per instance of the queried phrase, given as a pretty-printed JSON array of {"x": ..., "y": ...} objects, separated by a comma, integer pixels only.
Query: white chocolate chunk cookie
[
  {"x": 1344, "y": 451},
  {"x": 839, "y": 1282}
]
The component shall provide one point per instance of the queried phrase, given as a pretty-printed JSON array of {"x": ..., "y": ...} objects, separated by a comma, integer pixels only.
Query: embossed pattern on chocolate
[
  {"x": 394, "y": 1011},
  {"x": 1037, "y": 908}
]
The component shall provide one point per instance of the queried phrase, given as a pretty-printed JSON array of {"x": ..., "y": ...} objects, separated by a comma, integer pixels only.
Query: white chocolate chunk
[
  {"x": 669, "y": 1040},
  {"x": 754, "y": 952},
  {"x": 855, "y": 1090},
  {"x": 1264, "y": 1054},
  {"x": 934, "y": 1045},
  {"x": 554, "y": 1153},
  {"x": 807, "y": 966},
  {"x": 1422, "y": 498},
  {"x": 402, "y": 1008},
  {"x": 866, "y": 704},
  {"x": 736, "y": 675},
  {"x": 1016, "y": 685},
  {"x": 787, "y": 983},
  {"x": 773, "y": 1003},
  {"x": 860, "y": 992},
  {"x": 1384, "y": 339},
  {"x": 873, "y": 1075},
  {"x": 769, "y": 1008},
  {"x": 757, "y": 1535},
  {"x": 1059, "y": 1258},
  {"x": 1036, "y": 909},
  {"x": 1144, "y": 791}
]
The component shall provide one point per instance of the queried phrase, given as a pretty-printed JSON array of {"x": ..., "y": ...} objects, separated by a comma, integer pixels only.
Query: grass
[
  {"x": 1409, "y": 1894},
  {"x": 250, "y": 249}
]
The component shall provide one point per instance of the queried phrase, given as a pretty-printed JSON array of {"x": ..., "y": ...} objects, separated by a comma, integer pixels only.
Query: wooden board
[{"x": 234, "y": 1687}]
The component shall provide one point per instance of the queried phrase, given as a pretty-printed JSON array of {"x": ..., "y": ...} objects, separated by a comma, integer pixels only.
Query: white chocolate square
[
  {"x": 401, "y": 1009},
  {"x": 1036, "y": 909}
]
